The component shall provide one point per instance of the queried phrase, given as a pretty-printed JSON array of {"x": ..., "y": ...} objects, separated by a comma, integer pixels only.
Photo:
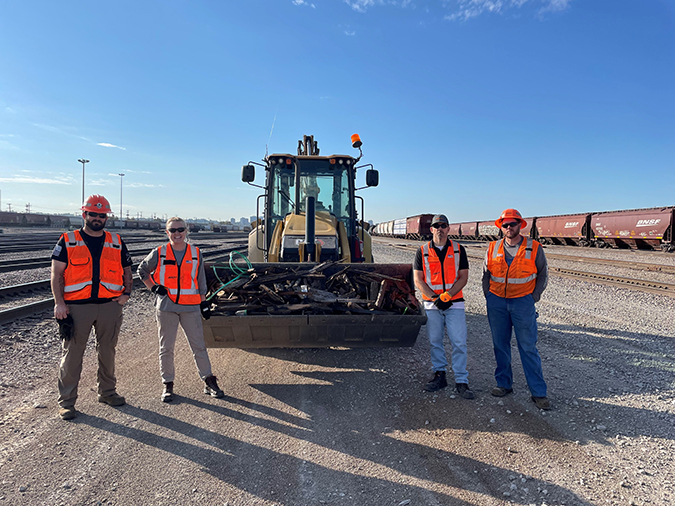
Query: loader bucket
[{"x": 317, "y": 330}]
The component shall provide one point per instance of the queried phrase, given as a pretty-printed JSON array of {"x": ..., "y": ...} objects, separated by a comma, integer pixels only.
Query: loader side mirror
[
  {"x": 248, "y": 173},
  {"x": 372, "y": 177}
]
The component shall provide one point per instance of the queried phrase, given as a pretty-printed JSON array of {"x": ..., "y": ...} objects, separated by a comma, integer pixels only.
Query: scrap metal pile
[{"x": 277, "y": 290}]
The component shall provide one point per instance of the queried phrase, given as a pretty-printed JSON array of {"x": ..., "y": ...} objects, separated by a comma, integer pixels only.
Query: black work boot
[
  {"x": 437, "y": 382},
  {"x": 167, "y": 394},
  {"x": 464, "y": 391},
  {"x": 211, "y": 388}
]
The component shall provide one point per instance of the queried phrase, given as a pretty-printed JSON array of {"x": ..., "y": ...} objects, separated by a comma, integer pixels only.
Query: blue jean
[
  {"x": 454, "y": 321},
  {"x": 517, "y": 314}
]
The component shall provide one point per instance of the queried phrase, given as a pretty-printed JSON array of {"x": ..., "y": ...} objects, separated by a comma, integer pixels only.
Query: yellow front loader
[{"x": 309, "y": 215}]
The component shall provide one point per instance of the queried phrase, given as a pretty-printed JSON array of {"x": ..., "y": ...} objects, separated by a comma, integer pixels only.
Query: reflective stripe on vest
[
  {"x": 438, "y": 286},
  {"x": 517, "y": 279},
  {"x": 184, "y": 290},
  {"x": 78, "y": 276}
]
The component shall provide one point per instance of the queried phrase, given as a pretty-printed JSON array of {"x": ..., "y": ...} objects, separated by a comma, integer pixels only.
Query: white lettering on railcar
[
  {"x": 571, "y": 224},
  {"x": 648, "y": 223}
]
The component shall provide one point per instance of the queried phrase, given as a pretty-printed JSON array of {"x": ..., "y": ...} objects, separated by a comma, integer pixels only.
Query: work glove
[
  {"x": 66, "y": 328},
  {"x": 441, "y": 304},
  {"x": 205, "y": 308},
  {"x": 158, "y": 289}
]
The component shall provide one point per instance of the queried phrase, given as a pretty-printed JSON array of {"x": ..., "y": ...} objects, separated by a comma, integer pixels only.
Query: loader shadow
[
  {"x": 338, "y": 357},
  {"x": 231, "y": 460},
  {"x": 634, "y": 354}
]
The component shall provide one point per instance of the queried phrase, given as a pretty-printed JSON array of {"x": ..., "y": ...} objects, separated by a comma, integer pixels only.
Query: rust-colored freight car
[
  {"x": 636, "y": 228},
  {"x": 419, "y": 227},
  {"x": 567, "y": 229},
  {"x": 454, "y": 230},
  {"x": 528, "y": 230},
  {"x": 468, "y": 230},
  {"x": 488, "y": 231}
]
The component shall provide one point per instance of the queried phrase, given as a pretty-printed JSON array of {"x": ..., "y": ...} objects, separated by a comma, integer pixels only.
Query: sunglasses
[
  {"x": 179, "y": 229},
  {"x": 440, "y": 225},
  {"x": 511, "y": 225},
  {"x": 97, "y": 215}
]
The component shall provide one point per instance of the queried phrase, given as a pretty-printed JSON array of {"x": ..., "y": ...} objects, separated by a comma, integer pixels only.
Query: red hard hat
[
  {"x": 96, "y": 204},
  {"x": 510, "y": 214}
]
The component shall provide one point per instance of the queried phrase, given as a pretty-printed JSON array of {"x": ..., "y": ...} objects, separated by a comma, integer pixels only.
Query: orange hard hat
[
  {"x": 510, "y": 214},
  {"x": 96, "y": 204}
]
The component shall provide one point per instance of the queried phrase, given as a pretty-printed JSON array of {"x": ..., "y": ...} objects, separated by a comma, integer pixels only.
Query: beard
[{"x": 95, "y": 225}]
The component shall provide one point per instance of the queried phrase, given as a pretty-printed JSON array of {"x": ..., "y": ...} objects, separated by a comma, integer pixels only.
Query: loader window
[
  {"x": 281, "y": 196},
  {"x": 330, "y": 189}
]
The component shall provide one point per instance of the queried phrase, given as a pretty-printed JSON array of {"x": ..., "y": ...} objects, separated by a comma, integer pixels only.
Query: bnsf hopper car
[
  {"x": 638, "y": 228},
  {"x": 568, "y": 229},
  {"x": 468, "y": 230},
  {"x": 528, "y": 230},
  {"x": 650, "y": 228},
  {"x": 419, "y": 227},
  {"x": 488, "y": 231},
  {"x": 454, "y": 230}
]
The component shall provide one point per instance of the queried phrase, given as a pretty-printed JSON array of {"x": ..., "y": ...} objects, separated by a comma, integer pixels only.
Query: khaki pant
[
  {"x": 106, "y": 319},
  {"x": 191, "y": 322}
]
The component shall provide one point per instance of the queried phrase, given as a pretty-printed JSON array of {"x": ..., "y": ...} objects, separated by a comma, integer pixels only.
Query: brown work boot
[
  {"x": 501, "y": 391},
  {"x": 112, "y": 400},
  {"x": 211, "y": 388},
  {"x": 542, "y": 402},
  {"x": 167, "y": 394},
  {"x": 67, "y": 412}
]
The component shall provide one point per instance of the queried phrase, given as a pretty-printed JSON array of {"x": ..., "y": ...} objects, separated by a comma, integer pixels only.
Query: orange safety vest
[
  {"x": 518, "y": 279},
  {"x": 169, "y": 272},
  {"x": 79, "y": 273},
  {"x": 440, "y": 280}
]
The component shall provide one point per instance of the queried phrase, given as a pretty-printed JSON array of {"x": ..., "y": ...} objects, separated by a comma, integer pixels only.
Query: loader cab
[
  {"x": 291, "y": 179},
  {"x": 330, "y": 180}
]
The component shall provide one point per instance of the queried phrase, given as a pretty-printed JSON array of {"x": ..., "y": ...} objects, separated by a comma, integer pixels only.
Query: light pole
[
  {"x": 83, "y": 161},
  {"x": 121, "y": 176}
]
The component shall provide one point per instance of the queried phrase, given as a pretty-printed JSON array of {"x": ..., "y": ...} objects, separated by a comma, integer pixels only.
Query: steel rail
[
  {"x": 25, "y": 287},
  {"x": 641, "y": 285},
  {"x": 13, "y": 313},
  {"x": 7, "y": 315},
  {"x": 38, "y": 263},
  {"x": 627, "y": 264}
]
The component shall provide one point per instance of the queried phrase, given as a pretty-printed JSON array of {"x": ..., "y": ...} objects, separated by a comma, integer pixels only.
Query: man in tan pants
[{"x": 91, "y": 281}]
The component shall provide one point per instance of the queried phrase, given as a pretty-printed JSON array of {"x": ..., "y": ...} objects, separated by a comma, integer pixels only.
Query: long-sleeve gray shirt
[
  {"x": 539, "y": 262},
  {"x": 164, "y": 303}
]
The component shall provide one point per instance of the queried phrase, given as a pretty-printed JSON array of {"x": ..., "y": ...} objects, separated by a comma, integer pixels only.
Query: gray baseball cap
[{"x": 440, "y": 218}]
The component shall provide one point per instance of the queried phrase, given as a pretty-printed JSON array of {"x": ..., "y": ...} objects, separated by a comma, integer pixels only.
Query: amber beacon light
[{"x": 356, "y": 141}]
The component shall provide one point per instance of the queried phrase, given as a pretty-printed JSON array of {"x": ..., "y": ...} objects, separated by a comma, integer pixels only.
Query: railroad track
[
  {"x": 26, "y": 310},
  {"x": 38, "y": 263},
  {"x": 641, "y": 285}
]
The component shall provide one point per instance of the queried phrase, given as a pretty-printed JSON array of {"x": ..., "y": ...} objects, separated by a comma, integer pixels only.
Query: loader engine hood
[{"x": 294, "y": 235}]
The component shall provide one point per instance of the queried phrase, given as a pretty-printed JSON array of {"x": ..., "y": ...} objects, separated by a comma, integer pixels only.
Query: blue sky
[{"x": 465, "y": 107}]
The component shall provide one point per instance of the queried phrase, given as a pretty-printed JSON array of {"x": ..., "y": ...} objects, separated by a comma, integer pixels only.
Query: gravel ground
[{"x": 353, "y": 426}]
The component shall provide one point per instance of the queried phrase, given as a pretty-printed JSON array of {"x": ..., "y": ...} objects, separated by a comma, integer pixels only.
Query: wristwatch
[{"x": 128, "y": 294}]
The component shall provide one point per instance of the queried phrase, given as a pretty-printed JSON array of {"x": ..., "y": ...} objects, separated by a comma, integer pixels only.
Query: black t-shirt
[
  {"x": 418, "y": 265},
  {"x": 95, "y": 245}
]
